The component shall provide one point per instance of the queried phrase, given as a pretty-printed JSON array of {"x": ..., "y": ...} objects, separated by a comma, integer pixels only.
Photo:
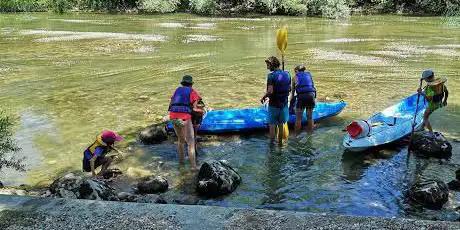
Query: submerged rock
[
  {"x": 153, "y": 184},
  {"x": 1, "y": 185},
  {"x": 454, "y": 185},
  {"x": 150, "y": 198},
  {"x": 127, "y": 197},
  {"x": 112, "y": 173},
  {"x": 432, "y": 194},
  {"x": 153, "y": 134},
  {"x": 431, "y": 146},
  {"x": 217, "y": 178},
  {"x": 77, "y": 187},
  {"x": 180, "y": 198}
]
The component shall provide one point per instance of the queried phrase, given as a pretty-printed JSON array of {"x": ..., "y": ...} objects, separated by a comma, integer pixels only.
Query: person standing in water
[
  {"x": 183, "y": 102},
  {"x": 303, "y": 90},
  {"x": 278, "y": 87},
  {"x": 435, "y": 92}
]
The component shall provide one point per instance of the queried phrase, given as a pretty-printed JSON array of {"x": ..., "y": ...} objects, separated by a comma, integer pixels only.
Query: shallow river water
[{"x": 66, "y": 77}]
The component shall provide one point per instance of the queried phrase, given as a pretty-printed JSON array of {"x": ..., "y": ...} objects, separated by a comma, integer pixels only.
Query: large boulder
[
  {"x": 152, "y": 184},
  {"x": 431, "y": 194},
  {"x": 436, "y": 146},
  {"x": 217, "y": 178},
  {"x": 153, "y": 134},
  {"x": 77, "y": 187},
  {"x": 455, "y": 184},
  {"x": 1, "y": 185}
]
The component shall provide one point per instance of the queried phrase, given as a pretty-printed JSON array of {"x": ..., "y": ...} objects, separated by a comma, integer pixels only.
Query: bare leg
[
  {"x": 280, "y": 132},
  {"x": 298, "y": 120},
  {"x": 195, "y": 132},
  {"x": 189, "y": 134},
  {"x": 180, "y": 141},
  {"x": 426, "y": 120},
  {"x": 105, "y": 164},
  {"x": 309, "y": 119},
  {"x": 272, "y": 132}
]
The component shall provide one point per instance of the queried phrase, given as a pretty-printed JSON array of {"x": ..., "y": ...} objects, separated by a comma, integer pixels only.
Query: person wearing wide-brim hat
[
  {"x": 435, "y": 92},
  {"x": 183, "y": 104}
]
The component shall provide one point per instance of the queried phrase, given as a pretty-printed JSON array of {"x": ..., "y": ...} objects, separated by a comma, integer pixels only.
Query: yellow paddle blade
[
  {"x": 285, "y": 132},
  {"x": 282, "y": 39}
]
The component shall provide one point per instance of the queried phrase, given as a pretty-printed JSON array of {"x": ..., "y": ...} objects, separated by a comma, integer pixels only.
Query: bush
[
  {"x": 22, "y": 5},
  {"x": 7, "y": 145},
  {"x": 159, "y": 6},
  {"x": 294, "y": 7},
  {"x": 203, "y": 7},
  {"x": 335, "y": 9},
  {"x": 103, "y": 5},
  {"x": 59, "y": 6}
]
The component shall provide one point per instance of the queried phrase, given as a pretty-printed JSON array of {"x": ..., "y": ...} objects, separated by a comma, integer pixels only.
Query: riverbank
[
  {"x": 44, "y": 213},
  {"x": 322, "y": 8}
]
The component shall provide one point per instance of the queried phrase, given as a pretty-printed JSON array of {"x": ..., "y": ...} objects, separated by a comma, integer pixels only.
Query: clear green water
[{"x": 66, "y": 77}]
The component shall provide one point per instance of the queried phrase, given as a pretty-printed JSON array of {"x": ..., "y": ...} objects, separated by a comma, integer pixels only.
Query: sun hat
[
  {"x": 187, "y": 79},
  {"x": 437, "y": 81},
  {"x": 110, "y": 136}
]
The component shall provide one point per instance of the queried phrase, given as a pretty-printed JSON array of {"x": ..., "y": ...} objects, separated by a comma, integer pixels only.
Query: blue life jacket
[
  {"x": 304, "y": 83},
  {"x": 180, "y": 102},
  {"x": 281, "y": 86}
]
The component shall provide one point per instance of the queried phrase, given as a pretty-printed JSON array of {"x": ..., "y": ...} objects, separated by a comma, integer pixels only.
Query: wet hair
[
  {"x": 273, "y": 63},
  {"x": 300, "y": 68}
]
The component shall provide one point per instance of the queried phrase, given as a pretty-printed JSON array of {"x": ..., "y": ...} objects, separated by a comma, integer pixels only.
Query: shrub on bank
[
  {"x": 324, "y": 8},
  {"x": 158, "y": 6},
  {"x": 22, "y": 5},
  {"x": 203, "y": 7}
]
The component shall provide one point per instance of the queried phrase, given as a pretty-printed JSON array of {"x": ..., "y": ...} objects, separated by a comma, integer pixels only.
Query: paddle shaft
[
  {"x": 415, "y": 117},
  {"x": 282, "y": 60}
]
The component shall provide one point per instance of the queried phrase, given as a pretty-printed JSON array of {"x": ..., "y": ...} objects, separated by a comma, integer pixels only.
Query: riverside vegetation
[{"x": 323, "y": 8}]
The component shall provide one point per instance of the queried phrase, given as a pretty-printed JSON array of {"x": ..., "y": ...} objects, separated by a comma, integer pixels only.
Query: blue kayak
[
  {"x": 391, "y": 124},
  {"x": 242, "y": 120}
]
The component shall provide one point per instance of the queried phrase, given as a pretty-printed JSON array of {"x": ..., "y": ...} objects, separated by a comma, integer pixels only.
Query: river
[{"x": 66, "y": 77}]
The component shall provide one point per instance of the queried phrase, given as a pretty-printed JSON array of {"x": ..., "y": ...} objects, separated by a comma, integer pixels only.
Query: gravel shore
[{"x": 19, "y": 212}]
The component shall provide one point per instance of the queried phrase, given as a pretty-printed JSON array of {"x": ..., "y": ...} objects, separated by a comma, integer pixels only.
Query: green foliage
[
  {"x": 204, "y": 7},
  {"x": 59, "y": 6},
  {"x": 159, "y": 6},
  {"x": 22, "y": 5},
  {"x": 7, "y": 145},
  {"x": 324, "y": 8},
  {"x": 103, "y": 5},
  {"x": 334, "y": 9}
]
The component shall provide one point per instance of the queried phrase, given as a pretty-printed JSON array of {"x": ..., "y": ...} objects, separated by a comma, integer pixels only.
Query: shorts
[
  {"x": 432, "y": 106},
  {"x": 197, "y": 118},
  {"x": 87, "y": 166},
  {"x": 306, "y": 100},
  {"x": 278, "y": 116}
]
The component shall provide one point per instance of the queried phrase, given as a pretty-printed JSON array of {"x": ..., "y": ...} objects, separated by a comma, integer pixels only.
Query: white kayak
[{"x": 392, "y": 124}]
